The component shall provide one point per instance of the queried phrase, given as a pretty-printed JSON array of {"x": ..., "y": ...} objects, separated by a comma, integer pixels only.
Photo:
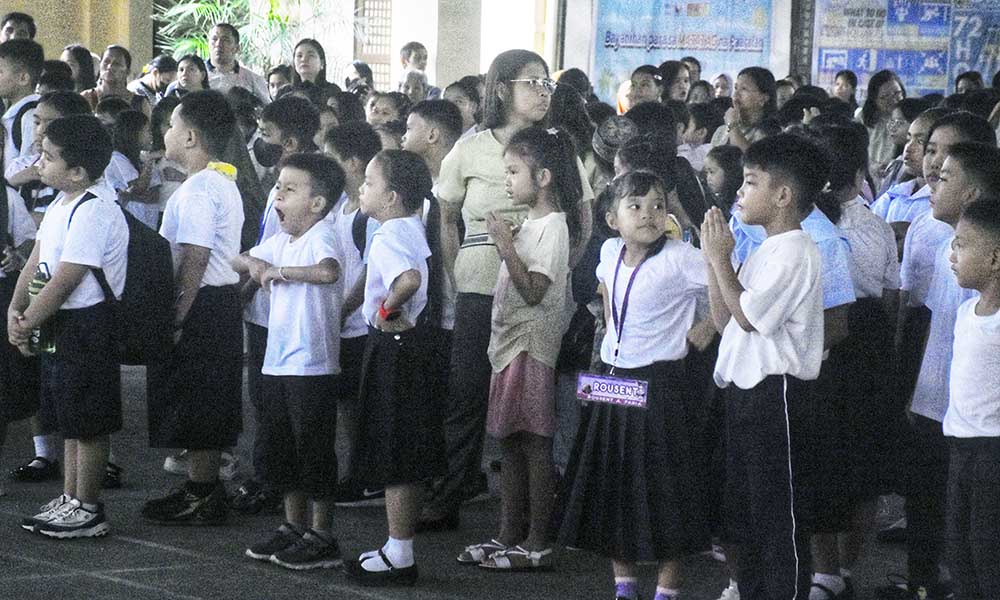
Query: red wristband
[{"x": 387, "y": 315}]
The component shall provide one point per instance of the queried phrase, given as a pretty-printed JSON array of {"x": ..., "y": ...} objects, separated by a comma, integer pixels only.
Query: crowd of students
[{"x": 775, "y": 307}]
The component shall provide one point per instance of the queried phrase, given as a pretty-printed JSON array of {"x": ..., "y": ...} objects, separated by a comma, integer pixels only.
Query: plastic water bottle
[{"x": 41, "y": 340}]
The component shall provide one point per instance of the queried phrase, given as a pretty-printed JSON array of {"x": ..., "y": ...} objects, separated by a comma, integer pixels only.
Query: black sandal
[
  {"x": 394, "y": 576},
  {"x": 29, "y": 474}
]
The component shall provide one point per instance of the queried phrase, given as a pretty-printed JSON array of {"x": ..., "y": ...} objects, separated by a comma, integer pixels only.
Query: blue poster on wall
[
  {"x": 725, "y": 36},
  {"x": 926, "y": 42}
]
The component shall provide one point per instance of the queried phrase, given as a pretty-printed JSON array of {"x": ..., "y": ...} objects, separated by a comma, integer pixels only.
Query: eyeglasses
[
  {"x": 549, "y": 85},
  {"x": 897, "y": 95}
]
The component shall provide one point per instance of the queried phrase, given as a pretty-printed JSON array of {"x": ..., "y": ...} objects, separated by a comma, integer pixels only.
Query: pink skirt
[{"x": 522, "y": 398}]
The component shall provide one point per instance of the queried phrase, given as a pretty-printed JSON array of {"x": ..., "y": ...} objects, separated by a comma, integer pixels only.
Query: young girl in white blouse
[
  {"x": 632, "y": 491},
  {"x": 401, "y": 441},
  {"x": 528, "y": 307}
]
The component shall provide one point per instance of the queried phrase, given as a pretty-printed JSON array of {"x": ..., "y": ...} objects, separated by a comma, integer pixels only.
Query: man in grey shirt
[{"x": 224, "y": 71}]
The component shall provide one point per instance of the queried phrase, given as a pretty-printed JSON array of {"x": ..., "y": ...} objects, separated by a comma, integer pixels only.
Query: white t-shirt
[
  {"x": 303, "y": 327},
  {"x": 901, "y": 203},
  {"x": 930, "y": 397},
  {"x": 257, "y": 309},
  {"x": 206, "y": 211},
  {"x": 27, "y": 130},
  {"x": 353, "y": 264},
  {"x": 97, "y": 236},
  {"x": 874, "y": 259},
  {"x": 923, "y": 239},
  {"x": 974, "y": 400},
  {"x": 661, "y": 305},
  {"x": 120, "y": 172},
  {"x": 783, "y": 300},
  {"x": 695, "y": 154},
  {"x": 398, "y": 246},
  {"x": 19, "y": 222}
]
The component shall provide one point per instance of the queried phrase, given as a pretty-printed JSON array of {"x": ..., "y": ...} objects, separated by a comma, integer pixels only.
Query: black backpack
[
  {"x": 145, "y": 313},
  {"x": 16, "y": 133},
  {"x": 359, "y": 232}
]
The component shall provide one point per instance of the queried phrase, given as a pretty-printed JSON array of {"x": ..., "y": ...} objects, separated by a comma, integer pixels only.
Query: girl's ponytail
[{"x": 554, "y": 149}]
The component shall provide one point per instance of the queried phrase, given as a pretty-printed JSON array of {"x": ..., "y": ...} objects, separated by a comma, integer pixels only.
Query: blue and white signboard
[
  {"x": 725, "y": 36},
  {"x": 926, "y": 42}
]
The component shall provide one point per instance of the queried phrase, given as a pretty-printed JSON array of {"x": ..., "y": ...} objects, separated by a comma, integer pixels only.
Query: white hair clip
[
  {"x": 552, "y": 131},
  {"x": 827, "y": 188}
]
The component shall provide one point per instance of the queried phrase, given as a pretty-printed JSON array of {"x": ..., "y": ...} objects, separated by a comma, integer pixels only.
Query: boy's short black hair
[
  {"x": 111, "y": 106},
  {"x": 705, "y": 116},
  {"x": 209, "y": 113},
  {"x": 295, "y": 116},
  {"x": 54, "y": 80},
  {"x": 66, "y": 103},
  {"x": 355, "y": 139},
  {"x": 326, "y": 177},
  {"x": 985, "y": 214},
  {"x": 82, "y": 142},
  {"x": 971, "y": 127},
  {"x": 442, "y": 114},
  {"x": 981, "y": 162},
  {"x": 25, "y": 54},
  {"x": 795, "y": 160},
  {"x": 679, "y": 109},
  {"x": 20, "y": 17},
  {"x": 409, "y": 48}
]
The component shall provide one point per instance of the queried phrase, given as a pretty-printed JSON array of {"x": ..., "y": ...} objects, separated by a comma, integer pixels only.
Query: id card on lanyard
[{"x": 593, "y": 387}]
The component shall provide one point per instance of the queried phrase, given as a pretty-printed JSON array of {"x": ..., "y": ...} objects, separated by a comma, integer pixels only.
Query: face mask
[{"x": 267, "y": 155}]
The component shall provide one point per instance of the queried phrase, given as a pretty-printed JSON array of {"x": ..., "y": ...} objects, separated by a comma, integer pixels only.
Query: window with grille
[{"x": 375, "y": 47}]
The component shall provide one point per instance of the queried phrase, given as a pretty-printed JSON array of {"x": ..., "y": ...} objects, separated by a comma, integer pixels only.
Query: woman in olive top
[{"x": 470, "y": 187}]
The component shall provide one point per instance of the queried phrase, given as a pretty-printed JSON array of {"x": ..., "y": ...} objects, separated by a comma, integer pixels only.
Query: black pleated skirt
[
  {"x": 633, "y": 489},
  {"x": 401, "y": 416}
]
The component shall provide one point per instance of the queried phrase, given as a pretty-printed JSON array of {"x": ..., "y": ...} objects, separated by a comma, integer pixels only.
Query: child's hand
[
  {"x": 731, "y": 117},
  {"x": 18, "y": 331},
  {"x": 700, "y": 336},
  {"x": 501, "y": 232},
  {"x": 394, "y": 326},
  {"x": 256, "y": 268},
  {"x": 716, "y": 240},
  {"x": 269, "y": 275},
  {"x": 12, "y": 261}
]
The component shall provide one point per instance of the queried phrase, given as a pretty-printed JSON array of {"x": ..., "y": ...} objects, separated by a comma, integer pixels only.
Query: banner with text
[
  {"x": 926, "y": 42},
  {"x": 725, "y": 36}
]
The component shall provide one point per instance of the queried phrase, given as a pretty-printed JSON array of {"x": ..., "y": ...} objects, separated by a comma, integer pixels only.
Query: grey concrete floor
[{"x": 142, "y": 561}]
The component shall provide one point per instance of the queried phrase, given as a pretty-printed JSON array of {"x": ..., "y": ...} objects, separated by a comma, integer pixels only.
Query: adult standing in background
[
  {"x": 116, "y": 64},
  {"x": 224, "y": 70},
  {"x": 160, "y": 73},
  {"x": 81, "y": 63},
  {"x": 17, "y": 26},
  {"x": 694, "y": 68},
  {"x": 884, "y": 91},
  {"x": 309, "y": 64},
  {"x": 723, "y": 86},
  {"x": 754, "y": 99}
]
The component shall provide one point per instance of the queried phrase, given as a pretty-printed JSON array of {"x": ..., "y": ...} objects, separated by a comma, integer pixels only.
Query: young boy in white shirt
[
  {"x": 82, "y": 243},
  {"x": 289, "y": 124},
  {"x": 353, "y": 145},
  {"x": 972, "y": 421},
  {"x": 20, "y": 67},
  {"x": 299, "y": 267},
  {"x": 703, "y": 119},
  {"x": 195, "y": 397},
  {"x": 954, "y": 184},
  {"x": 771, "y": 315}
]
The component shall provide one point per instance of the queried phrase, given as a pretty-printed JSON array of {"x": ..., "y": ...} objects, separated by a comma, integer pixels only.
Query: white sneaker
[
  {"x": 75, "y": 522},
  {"x": 46, "y": 513},
  {"x": 730, "y": 593},
  {"x": 177, "y": 463},
  {"x": 229, "y": 465}
]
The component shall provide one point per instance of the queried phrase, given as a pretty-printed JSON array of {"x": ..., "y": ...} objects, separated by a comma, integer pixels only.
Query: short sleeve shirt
[
  {"x": 874, "y": 257},
  {"x": 974, "y": 398},
  {"x": 207, "y": 211},
  {"x": 303, "y": 327},
  {"x": 399, "y": 245},
  {"x": 923, "y": 239},
  {"x": 21, "y": 226},
  {"x": 783, "y": 300},
  {"x": 96, "y": 236},
  {"x": 543, "y": 245}
]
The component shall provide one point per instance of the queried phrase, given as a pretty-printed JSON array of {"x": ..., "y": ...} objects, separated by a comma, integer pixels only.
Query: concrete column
[{"x": 458, "y": 40}]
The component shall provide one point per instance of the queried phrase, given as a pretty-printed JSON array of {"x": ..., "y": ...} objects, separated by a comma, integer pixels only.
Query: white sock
[
  {"x": 835, "y": 583},
  {"x": 45, "y": 446},
  {"x": 662, "y": 592},
  {"x": 399, "y": 553}
]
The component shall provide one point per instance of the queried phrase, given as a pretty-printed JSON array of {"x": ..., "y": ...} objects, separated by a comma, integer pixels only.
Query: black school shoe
[
  {"x": 30, "y": 474},
  {"x": 181, "y": 507},
  {"x": 112, "y": 477},
  {"x": 394, "y": 576},
  {"x": 901, "y": 589},
  {"x": 251, "y": 499}
]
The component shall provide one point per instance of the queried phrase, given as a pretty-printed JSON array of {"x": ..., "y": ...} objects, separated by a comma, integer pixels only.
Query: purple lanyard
[{"x": 619, "y": 323}]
